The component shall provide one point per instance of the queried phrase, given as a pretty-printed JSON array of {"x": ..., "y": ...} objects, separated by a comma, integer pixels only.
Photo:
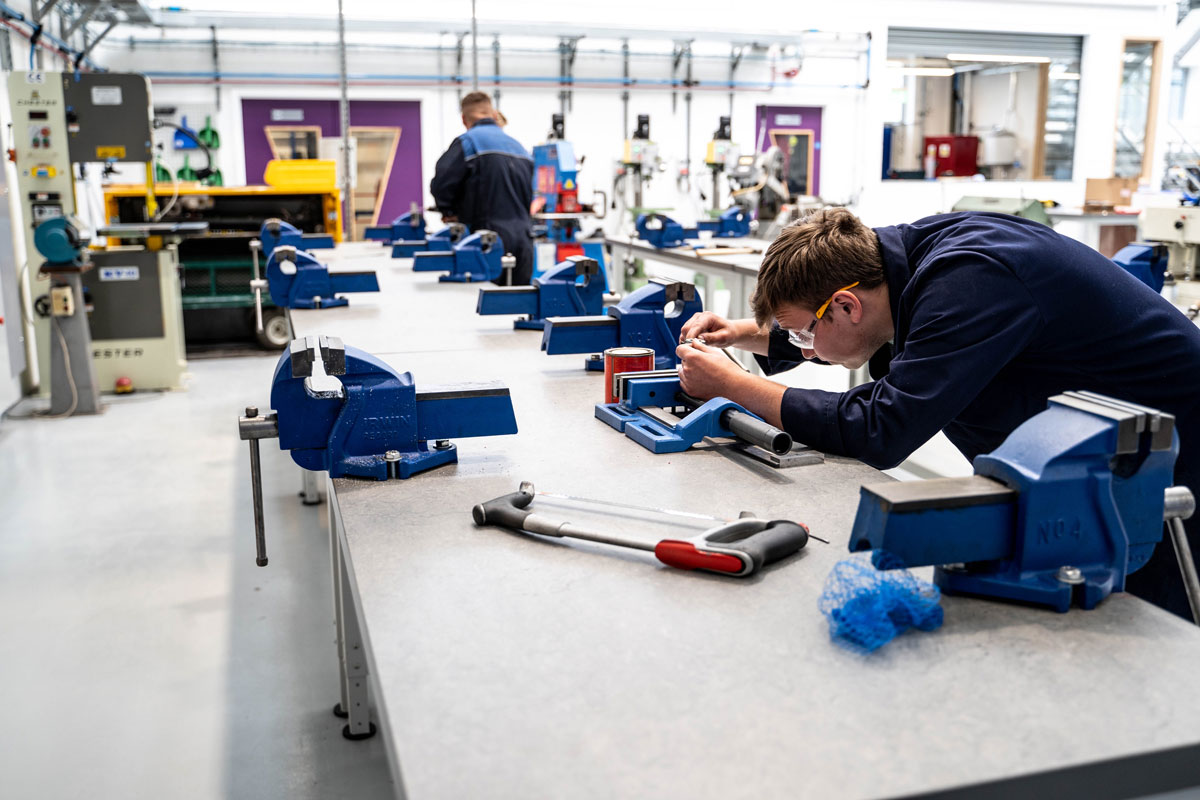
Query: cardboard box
[{"x": 1109, "y": 192}]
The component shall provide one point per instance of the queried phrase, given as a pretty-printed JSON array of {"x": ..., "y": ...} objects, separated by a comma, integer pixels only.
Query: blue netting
[{"x": 867, "y": 607}]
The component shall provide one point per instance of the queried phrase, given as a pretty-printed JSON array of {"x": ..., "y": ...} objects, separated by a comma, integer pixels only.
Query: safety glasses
[{"x": 806, "y": 337}]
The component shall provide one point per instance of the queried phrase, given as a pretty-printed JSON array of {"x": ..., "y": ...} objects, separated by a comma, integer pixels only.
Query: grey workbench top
[{"x": 512, "y": 666}]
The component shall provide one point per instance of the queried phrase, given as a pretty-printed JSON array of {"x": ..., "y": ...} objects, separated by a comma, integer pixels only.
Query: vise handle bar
[
  {"x": 251, "y": 428},
  {"x": 740, "y": 547}
]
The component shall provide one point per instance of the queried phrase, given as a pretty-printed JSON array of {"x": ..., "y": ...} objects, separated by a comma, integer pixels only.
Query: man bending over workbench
[{"x": 968, "y": 324}]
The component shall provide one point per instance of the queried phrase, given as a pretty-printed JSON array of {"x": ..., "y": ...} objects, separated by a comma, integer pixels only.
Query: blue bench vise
[
  {"x": 573, "y": 288},
  {"x": 408, "y": 227},
  {"x": 1072, "y": 502},
  {"x": 276, "y": 232},
  {"x": 297, "y": 279},
  {"x": 650, "y": 317},
  {"x": 1146, "y": 261},
  {"x": 661, "y": 231},
  {"x": 478, "y": 257},
  {"x": 440, "y": 242},
  {"x": 343, "y": 410},
  {"x": 653, "y": 410}
]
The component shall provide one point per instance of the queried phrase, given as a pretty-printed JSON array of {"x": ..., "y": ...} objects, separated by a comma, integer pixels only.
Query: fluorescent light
[
  {"x": 929, "y": 72},
  {"x": 1066, "y": 76},
  {"x": 998, "y": 58}
]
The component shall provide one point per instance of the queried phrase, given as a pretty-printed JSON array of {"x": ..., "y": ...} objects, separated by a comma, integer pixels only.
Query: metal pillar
[
  {"x": 474, "y": 49},
  {"x": 625, "y": 91},
  {"x": 344, "y": 104},
  {"x": 496, "y": 70}
]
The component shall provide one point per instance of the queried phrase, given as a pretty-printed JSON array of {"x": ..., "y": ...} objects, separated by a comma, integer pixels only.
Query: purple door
[
  {"x": 294, "y": 128},
  {"x": 797, "y": 131}
]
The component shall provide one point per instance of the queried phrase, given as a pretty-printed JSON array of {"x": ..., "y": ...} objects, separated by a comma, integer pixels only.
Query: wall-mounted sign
[{"x": 287, "y": 115}]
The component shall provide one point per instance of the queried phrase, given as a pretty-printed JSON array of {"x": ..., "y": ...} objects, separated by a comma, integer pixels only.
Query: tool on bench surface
[
  {"x": 668, "y": 511},
  {"x": 343, "y": 410},
  {"x": 1072, "y": 502},
  {"x": 296, "y": 279},
  {"x": 478, "y": 257},
  {"x": 405, "y": 229},
  {"x": 661, "y": 231},
  {"x": 276, "y": 232},
  {"x": 574, "y": 288},
  {"x": 738, "y": 547},
  {"x": 641, "y": 413},
  {"x": 442, "y": 241},
  {"x": 650, "y": 317}
]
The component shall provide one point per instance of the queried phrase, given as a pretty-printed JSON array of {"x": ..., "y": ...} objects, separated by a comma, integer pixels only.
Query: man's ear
[{"x": 849, "y": 304}]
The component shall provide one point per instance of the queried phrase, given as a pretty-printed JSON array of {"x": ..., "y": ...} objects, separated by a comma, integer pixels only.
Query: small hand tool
[
  {"x": 738, "y": 547},
  {"x": 668, "y": 511}
]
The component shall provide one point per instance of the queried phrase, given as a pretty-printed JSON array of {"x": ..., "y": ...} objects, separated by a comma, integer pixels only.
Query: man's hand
[
  {"x": 717, "y": 331},
  {"x": 720, "y": 332},
  {"x": 706, "y": 372}
]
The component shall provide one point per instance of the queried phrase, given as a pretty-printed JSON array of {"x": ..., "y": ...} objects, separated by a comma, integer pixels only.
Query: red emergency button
[{"x": 45, "y": 131}]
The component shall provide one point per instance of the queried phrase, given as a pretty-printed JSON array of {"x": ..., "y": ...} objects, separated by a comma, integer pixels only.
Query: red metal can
[{"x": 624, "y": 359}]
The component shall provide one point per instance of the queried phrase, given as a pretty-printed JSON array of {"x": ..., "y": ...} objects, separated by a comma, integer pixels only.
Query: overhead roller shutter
[{"x": 906, "y": 43}]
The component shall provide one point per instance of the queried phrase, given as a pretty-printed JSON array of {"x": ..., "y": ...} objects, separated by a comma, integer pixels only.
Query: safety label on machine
[
  {"x": 106, "y": 95},
  {"x": 119, "y": 274}
]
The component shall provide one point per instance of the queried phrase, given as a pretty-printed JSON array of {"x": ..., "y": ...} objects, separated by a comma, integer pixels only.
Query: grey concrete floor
[{"x": 144, "y": 654}]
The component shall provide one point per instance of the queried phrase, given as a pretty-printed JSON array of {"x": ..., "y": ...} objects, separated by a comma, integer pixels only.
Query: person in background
[
  {"x": 968, "y": 323},
  {"x": 485, "y": 180}
]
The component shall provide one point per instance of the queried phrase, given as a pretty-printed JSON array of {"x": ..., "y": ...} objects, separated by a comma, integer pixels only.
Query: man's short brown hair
[
  {"x": 473, "y": 99},
  {"x": 813, "y": 258}
]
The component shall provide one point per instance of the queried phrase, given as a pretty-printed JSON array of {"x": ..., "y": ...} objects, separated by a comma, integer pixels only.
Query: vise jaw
[
  {"x": 573, "y": 288},
  {"x": 343, "y": 410},
  {"x": 1059, "y": 514},
  {"x": 296, "y": 279},
  {"x": 652, "y": 316}
]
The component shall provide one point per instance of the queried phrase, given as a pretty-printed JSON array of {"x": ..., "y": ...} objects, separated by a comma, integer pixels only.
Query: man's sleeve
[
  {"x": 972, "y": 318},
  {"x": 448, "y": 178}
]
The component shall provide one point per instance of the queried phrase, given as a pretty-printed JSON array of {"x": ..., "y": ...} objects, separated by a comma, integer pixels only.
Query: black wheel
[{"x": 274, "y": 335}]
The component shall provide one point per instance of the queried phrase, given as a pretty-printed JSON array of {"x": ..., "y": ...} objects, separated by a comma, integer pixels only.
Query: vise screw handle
[
  {"x": 257, "y": 284},
  {"x": 251, "y": 428}
]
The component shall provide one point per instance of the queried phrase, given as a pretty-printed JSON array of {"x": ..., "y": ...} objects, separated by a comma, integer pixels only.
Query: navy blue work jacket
[
  {"x": 995, "y": 314},
  {"x": 485, "y": 178}
]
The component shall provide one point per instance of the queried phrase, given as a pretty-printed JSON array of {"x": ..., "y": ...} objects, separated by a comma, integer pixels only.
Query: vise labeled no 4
[
  {"x": 650, "y": 317},
  {"x": 661, "y": 231},
  {"x": 275, "y": 233},
  {"x": 1069, "y": 505},
  {"x": 297, "y": 279},
  {"x": 574, "y": 288},
  {"x": 340, "y": 409},
  {"x": 478, "y": 257}
]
